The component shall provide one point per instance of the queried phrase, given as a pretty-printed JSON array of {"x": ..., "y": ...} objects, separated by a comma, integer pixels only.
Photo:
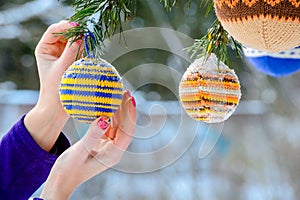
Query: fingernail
[
  {"x": 78, "y": 41},
  {"x": 133, "y": 101},
  {"x": 103, "y": 122},
  {"x": 128, "y": 92},
  {"x": 74, "y": 24}
]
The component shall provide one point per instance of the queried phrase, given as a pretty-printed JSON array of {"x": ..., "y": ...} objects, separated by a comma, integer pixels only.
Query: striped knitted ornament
[
  {"x": 91, "y": 88},
  {"x": 280, "y": 64},
  {"x": 267, "y": 25},
  {"x": 209, "y": 92}
]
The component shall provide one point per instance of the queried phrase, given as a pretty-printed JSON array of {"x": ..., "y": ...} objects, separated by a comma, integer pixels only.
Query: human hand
[
  {"x": 54, "y": 55},
  {"x": 97, "y": 151}
]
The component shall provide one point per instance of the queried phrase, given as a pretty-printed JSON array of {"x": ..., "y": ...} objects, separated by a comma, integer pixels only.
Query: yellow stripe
[
  {"x": 93, "y": 67},
  {"x": 91, "y": 99},
  {"x": 225, "y": 84},
  {"x": 89, "y": 113},
  {"x": 204, "y": 119},
  {"x": 231, "y": 99}
]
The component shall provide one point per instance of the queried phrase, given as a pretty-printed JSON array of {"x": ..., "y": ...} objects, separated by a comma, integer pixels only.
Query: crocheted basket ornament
[
  {"x": 274, "y": 64},
  {"x": 91, "y": 88},
  {"x": 267, "y": 25},
  {"x": 209, "y": 92}
]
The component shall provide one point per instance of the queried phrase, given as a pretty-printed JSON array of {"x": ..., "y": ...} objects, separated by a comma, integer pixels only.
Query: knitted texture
[
  {"x": 267, "y": 25},
  {"x": 91, "y": 88},
  {"x": 209, "y": 92},
  {"x": 274, "y": 64}
]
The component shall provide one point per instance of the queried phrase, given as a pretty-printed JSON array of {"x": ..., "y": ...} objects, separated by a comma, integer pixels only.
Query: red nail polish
[
  {"x": 103, "y": 122},
  {"x": 133, "y": 101},
  {"x": 78, "y": 42},
  {"x": 74, "y": 24}
]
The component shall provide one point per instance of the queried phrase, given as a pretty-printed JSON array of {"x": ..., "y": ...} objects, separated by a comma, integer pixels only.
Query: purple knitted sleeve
[{"x": 24, "y": 165}]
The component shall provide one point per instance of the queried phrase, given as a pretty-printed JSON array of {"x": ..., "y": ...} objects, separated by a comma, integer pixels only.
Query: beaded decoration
[
  {"x": 91, "y": 88},
  {"x": 274, "y": 64},
  {"x": 209, "y": 92},
  {"x": 267, "y": 25}
]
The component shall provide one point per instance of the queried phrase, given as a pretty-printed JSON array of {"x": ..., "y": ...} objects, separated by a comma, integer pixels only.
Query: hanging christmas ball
[
  {"x": 267, "y": 25},
  {"x": 280, "y": 64},
  {"x": 91, "y": 88},
  {"x": 209, "y": 92}
]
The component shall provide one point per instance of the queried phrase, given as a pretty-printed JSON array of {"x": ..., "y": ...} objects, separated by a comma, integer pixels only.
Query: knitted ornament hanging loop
[
  {"x": 86, "y": 45},
  {"x": 90, "y": 88}
]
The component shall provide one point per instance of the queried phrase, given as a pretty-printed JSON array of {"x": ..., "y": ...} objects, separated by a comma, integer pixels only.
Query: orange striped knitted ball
[
  {"x": 209, "y": 93},
  {"x": 267, "y": 25}
]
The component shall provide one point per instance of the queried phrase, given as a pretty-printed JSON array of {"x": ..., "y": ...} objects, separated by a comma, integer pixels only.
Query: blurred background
[{"x": 255, "y": 157}]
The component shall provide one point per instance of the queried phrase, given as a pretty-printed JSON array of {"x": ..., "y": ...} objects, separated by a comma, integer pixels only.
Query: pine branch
[
  {"x": 102, "y": 18},
  {"x": 215, "y": 41}
]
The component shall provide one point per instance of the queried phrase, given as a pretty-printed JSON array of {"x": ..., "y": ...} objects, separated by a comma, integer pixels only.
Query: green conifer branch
[
  {"x": 215, "y": 41},
  {"x": 101, "y": 17},
  {"x": 104, "y": 17}
]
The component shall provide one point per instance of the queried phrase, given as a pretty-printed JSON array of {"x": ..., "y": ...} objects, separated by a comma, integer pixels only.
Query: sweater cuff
[{"x": 61, "y": 144}]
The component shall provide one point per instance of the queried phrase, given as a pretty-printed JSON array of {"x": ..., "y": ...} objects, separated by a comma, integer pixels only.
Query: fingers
[
  {"x": 93, "y": 135},
  {"x": 126, "y": 125},
  {"x": 49, "y": 37},
  {"x": 52, "y": 46},
  {"x": 118, "y": 116},
  {"x": 69, "y": 54},
  {"x": 113, "y": 141}
]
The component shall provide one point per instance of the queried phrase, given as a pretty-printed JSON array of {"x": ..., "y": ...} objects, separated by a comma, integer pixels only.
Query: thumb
[
  {"x": 71, "y": 51},
  {"x": 94, "y": 134}
]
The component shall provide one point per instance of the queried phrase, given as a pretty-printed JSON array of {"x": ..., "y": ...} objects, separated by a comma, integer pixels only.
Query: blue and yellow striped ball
[{"x": 91, "y": 88}]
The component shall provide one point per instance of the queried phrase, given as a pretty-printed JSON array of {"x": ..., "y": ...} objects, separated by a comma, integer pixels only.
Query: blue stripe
[
  {"x": 91, "y": 86},
  {"x": 89, "y": 102},
  {"x": 94, "y": 109},
  {"x": 91, "y": 93},
  {"x": 101, "y": 77},
  {"x": 90, "y": 106}
]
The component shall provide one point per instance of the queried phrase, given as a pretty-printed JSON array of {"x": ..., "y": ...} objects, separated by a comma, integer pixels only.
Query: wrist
[
  {"x": 51, "y": 110},
  {"x": 57, "y": 187},
  {"x": 45, "y": 123}
]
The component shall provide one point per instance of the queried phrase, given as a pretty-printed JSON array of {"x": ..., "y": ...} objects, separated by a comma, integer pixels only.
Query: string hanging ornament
[
  {"x": 91, "y": 87},
  {"x": 209, "y": 91},
  {"x": 267, "y": 25}
]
